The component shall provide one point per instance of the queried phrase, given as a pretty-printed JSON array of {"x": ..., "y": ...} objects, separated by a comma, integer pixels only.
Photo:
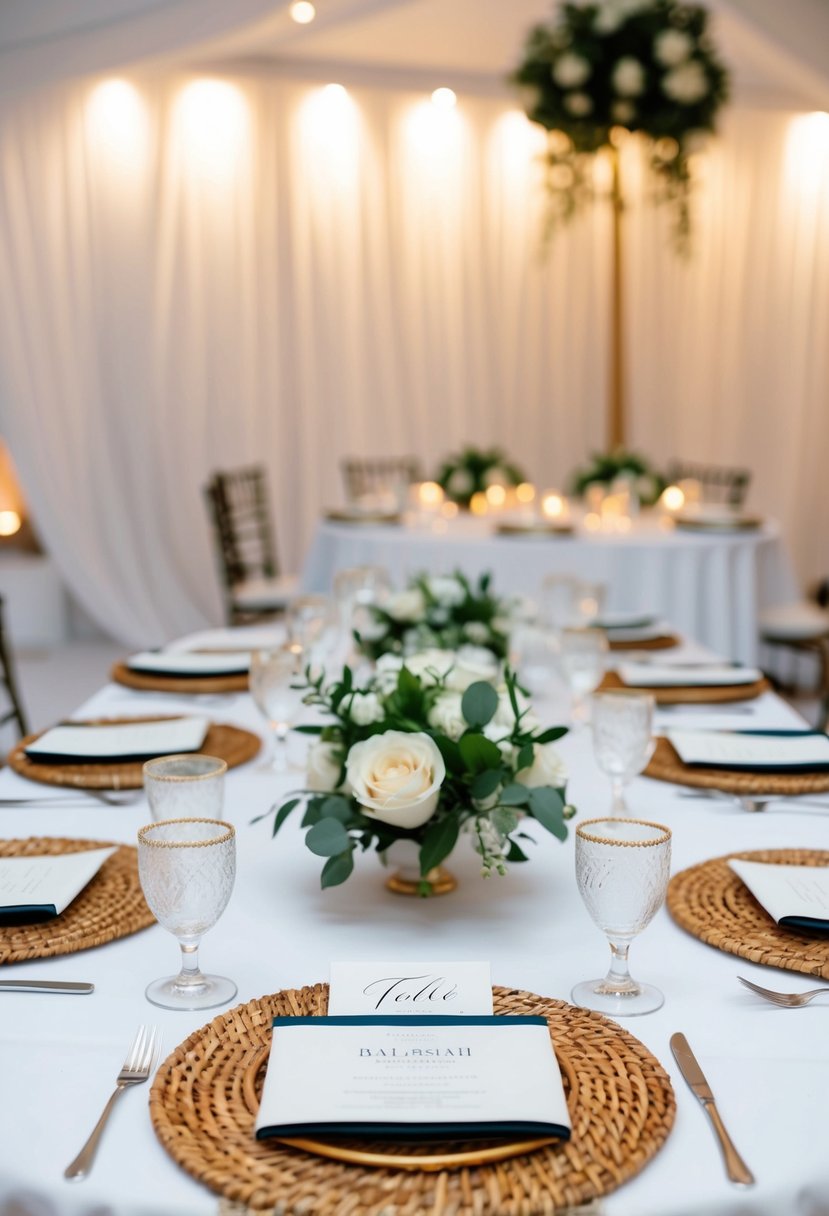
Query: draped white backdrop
[{"x": 200, "y": 273}]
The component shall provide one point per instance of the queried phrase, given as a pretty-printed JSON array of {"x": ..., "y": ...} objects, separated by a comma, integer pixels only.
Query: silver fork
[
  {"x": 786, "y": 1000},
  {"x": 136, "y": 1069}
]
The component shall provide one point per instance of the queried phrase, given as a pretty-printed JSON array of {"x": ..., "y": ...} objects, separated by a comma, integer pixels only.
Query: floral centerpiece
[
  {"x": 409, "y": 756},
  {"x": 447, "y": 612},
  {"x": 473, "y": 471},
  {"x": 604, "y": 468},
  {"x": 648, "y": 66}
]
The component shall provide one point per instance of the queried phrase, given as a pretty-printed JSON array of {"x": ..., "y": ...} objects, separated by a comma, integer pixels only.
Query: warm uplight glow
[
  {"x": 554, "y": 506},
  {"x": 430, "y": 494},
  {"x": 672, "y": 499},
  {"x": 807, "y": 154},
  {"x": 213, "y": 123},
  {"x": 445, "y": 99},
  {"x": 432, "y": 134},
  {"x": 10, "y": 523},
  {"x": 303, "y": 11},
  {"x": 330, "y": 138},
  {"x": 496, "y": 495},
  {"x": 116, "y": 123},
  {"x": 478, "y": 504},
  {"x": 525, "y": 492}
]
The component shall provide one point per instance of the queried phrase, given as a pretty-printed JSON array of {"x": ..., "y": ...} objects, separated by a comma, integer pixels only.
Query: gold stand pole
[{"x": 617, "y": 404}]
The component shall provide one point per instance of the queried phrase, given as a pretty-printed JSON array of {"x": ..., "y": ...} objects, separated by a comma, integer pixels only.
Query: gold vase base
[{"x": 439, "y": 881}]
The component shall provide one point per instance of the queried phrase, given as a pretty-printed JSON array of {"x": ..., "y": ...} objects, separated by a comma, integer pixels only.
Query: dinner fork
[
  {"x": 136, "y": 1069},
  {"x": 786, "y": 1000}
]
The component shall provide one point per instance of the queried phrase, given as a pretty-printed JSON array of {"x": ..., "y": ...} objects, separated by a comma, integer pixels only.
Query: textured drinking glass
[
  {"x": 622, "y": 725},
  {"x": 274, "y": 685},
  {"x": 311, "y": 621},
  {"x": 179, "y": 787},
  {"x": 187, "y": 868},
  {"x": 582, "y": 658},
  {"x": 622, "y": 870},
  {"x": 569, "y": 603}
]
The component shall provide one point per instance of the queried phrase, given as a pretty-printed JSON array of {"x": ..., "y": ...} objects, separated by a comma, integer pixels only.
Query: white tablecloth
[
  {"x": 709, "y": 585},
  {"x": 769, "y": 1067}
]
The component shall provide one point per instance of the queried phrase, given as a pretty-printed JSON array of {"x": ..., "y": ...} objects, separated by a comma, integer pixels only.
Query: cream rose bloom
[
  {"x": 471, "y": 664},
  {"x": 322, "y": 768},
  {"x": 446, "y": 590},
  {"x": 406, "y": 605},
  {"x": 396, "y": 777},
  {"x": 446, "y": 716},
  {"x": 365, "y": 708},
  {"x": 547, "y": 768}
]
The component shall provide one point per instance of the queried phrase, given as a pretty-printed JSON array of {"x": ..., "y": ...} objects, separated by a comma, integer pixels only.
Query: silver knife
[
  {"x": 735, "y": 1167},
  {"x": 47, "y": 986}
]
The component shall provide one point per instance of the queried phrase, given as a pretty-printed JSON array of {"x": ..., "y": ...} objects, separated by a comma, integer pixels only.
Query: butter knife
[
  {"x": 79, "y": 989},
  {"x": 735, "y": 1167}
]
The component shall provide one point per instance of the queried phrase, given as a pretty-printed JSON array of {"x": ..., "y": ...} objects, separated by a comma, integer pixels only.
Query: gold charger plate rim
[
  {"x": 428, "y": 1163},
  {"x": 507, "y": 529},
  {"x": 341, "y": 516},
  {"x": 745, "y": 523}
]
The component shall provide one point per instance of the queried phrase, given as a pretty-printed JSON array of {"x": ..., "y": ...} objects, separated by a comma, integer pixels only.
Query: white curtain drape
[{"x": 202, "y": 273}]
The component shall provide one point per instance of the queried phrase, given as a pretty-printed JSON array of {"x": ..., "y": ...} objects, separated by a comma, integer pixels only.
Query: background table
[
  {"x": 709, "y": 585},
  {"x": 769, "y": 1067}
]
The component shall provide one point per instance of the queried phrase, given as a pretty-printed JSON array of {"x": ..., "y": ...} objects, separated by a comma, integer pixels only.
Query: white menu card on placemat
[
  {"x": 395, "y": 989},
  {"x": 38, "y": 888},
  {"x": 753, "y": 751},
  {"x": 665, "y": 675},
  {"x": 794, "y": 896},
  {"x": 118, "y": 741}
]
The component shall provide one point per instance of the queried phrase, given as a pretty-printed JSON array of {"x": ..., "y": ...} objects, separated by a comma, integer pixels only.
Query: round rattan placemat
[
  {"x": 229, "y": 743},
  {"x": 665, "y": 765},
  {"x": 186, "y": 685},
  {"x": 664, "y": 641},
  {"x": 686, "y": 695},
  {"x": 110, "y": 906},
  {"x": 620, "y": 1100},
  {"x": 710, "y": 901}
]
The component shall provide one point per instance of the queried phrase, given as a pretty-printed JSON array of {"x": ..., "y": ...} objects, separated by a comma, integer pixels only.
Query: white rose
[
  {"x": 686, "y": 84},
  {"x": 571, "y": 70},
  {"x": 460, "y": 483},
  {"x": 547, "y": 768},
  {"x": 672, "y": 47},
  {"x": 406, "y": 605},
  {"x": 476, "y": 631},
  {"x": 396, "y": 777},
  {"x": 446, "y": 716},
  {"x": 623, "y": 112},
  {"x": 471, "y": 664},
  {"x": 446, "y": 590},
  {"x": 579, "y": 104},
  {"x": 628, "y": 77},
  {"x": 322, "y": 767},
  {"x": 365, "y": 708},
  {"x": 430, "y": 665}
]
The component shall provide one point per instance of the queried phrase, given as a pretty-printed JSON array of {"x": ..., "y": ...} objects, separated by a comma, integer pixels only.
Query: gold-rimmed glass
[
  {"x": 621, "y": 721},
  {"x": 180, "y": 786},
  {"x": 187, "y": 868},
  {"x": 622, "y": 871}
]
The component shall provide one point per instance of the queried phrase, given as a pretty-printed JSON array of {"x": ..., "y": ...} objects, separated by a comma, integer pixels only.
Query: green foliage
[
  {"x": 472, "y": 470},
  {"x": 604, "y": 468}
]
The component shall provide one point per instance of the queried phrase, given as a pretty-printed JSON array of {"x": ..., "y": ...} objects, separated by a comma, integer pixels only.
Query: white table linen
[
  {"x": 769, "y": 1067},
  {"x": 711, "y": 586}
]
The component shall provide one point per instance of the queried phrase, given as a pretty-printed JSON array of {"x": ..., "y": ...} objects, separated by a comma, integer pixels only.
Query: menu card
[
  {"x": 118, "y": 742},
  {"x": 794, "y": 896},
  {"x": 665, "y": 675},
  {"x": 398, "y": 989},
  {"x": 753, "y": 750},
  {"x": 190, "y": 663},
  {"x": 412, "y": 1078},
  {"x": 39, "y": 888}
]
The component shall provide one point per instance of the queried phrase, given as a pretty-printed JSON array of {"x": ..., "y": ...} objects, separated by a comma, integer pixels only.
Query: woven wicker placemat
[
  {"x": 620, "y": 1100},
  {"x": 712, "y": 903},
  {"x": 110, "y": 906},
  {"x": 691, "y": 696},
  {"x": 186, "y": 685},
  {"x": 665, "y": 765},
  {"x": 229, "y": 743},
  {"x": 664, "y": 641}
]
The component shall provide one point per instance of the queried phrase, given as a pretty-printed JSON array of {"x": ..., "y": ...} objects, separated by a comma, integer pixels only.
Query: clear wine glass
[
  {"x": 311, "y": 623},
  {"x": 187, "y": 868},
  {"x": 356, "y": 589},
  {"x": 274, "y": 686},
  {"x": 622, "y": 725},
  {"x": 567, "y": 602},
  {"x": 622, "y": 870},
  {"x": 180, "y": 786},
  {"x": 582, "y": 658}
]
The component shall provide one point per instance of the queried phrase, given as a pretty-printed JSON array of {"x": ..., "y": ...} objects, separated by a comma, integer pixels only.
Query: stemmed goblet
[
  {"x": 622, "y": 724},
  {"x": 187, "y": 868},
  {"x": 622, "y": 870},
  {"x": 582, "y": 657},
  {"x": 274, "y": 679}
]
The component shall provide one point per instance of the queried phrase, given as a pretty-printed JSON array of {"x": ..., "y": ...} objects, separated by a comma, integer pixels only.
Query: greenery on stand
[
  {"x": 474, "y": 470},
  {"x": 605, "y": 468}
]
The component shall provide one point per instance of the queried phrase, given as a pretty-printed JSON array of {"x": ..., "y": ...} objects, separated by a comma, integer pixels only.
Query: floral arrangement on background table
[
  {"x": 408, "y": 757},
  {"x": 439, "y": 611},
  {"x": 603, "y": 69},
  {"x": 474, "y": 470},
  {"x": 605, "y": 468}
]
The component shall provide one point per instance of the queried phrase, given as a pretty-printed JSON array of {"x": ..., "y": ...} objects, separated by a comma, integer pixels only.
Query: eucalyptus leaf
[
  {"x": 514, "y": 795},
  {"x": 479, "y": 703},
  {"x": 486, "y": 783},
  {"x": 283, "y": 813},
  {"x": 438, "y": 843},
  {"x": 328, "y": 838},
  {"x": 336, "y": 807},
  {"x": 337, "y": 869},
  {"x": 547, "y": 806},
  {"x": 504, "y": 820},
  {"x": 479, "y": 753}
]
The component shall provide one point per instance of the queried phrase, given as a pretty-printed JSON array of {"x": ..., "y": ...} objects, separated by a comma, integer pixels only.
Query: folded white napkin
[
  {"x": 46, "y": 885},
  {"x": 664, "y": 675},
  {"x": 797, "y": 896},
  {"x": 221, "y": 663}
]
